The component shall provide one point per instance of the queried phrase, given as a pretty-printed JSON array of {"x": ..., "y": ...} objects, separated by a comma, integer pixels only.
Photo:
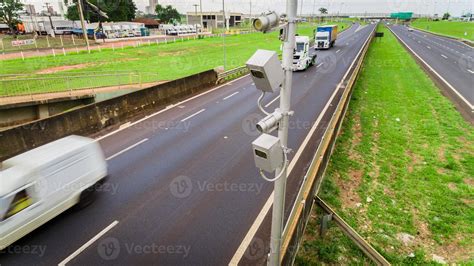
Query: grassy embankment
[
  {"x": 402, "y": 173},
  {"x": 169, "y": 61},
  {"x": 455, "y": 29}
]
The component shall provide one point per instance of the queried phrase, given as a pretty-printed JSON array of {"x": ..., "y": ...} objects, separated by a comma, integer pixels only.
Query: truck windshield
[
  {"x": 321, "y": 38},
  {"x": 299, "y": 46}
]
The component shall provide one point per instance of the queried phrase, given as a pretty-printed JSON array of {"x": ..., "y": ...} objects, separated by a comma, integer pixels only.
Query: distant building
[
  {"x": 150, "y": 9},
  {"x": 214, "y": 19},
  {"x": 30, "y": 9}
]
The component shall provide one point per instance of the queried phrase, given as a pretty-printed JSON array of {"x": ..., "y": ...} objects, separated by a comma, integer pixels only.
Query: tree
[
  {"x": 123, "y": 10},
  {"x": 446, "y": 16},
  {"x": 323, "y": 10},
  {"x": 167, "y": 14},
  {"x": 9, "y": 13}
]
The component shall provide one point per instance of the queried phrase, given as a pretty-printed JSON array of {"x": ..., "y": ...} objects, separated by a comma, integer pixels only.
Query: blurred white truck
[
  {"x": 40, "y": 184},
  {"x": 303, "y": 56}
]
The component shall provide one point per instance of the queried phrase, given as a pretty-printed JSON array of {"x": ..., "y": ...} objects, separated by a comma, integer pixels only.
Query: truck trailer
[{"x": 325, "y": 36}]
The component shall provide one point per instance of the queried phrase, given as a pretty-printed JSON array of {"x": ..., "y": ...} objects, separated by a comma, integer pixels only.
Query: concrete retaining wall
[{"x": 92, "y": 118}]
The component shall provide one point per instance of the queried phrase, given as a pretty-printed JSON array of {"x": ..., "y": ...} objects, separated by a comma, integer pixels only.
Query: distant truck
[
  {"x": 304, "y": 56},
  {"x": 325, "y": 36},
  {"x": 40, "y": 184}
]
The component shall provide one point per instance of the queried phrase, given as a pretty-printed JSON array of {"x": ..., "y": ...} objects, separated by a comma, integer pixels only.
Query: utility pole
[
  {"x": 223, "y": 33},
  {"x": 83, "y": 25},
  {"x": 250, "y": 14},
  {"x": 301, "y": 9},
  {"x": 200, "y": 10},
  {"x": 47, "y": 5},
  {"x": 195, "y": 9},
  {"x": 314, "y": 8},
  {"x": 270, "y": 152},
  {"x": 285, "y": 101}
]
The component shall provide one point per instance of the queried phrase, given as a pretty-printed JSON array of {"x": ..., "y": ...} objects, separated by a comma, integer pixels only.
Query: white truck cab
[
  {"x": 40, "y": 184},
  {"x": 303, "y": 56}
]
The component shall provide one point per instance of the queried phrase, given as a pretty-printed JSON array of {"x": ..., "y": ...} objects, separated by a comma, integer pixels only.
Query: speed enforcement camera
[
  {"x": 266, "y": 70},
  {"x": 268, "y": 153},
  {"x": 266, "y": 22}
]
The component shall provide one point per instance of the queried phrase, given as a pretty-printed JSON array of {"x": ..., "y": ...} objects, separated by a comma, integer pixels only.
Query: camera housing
[
  {"x": 266, "y": 71},
  {"x": 268, "y": 153},
  {"x": 266, "y": 22}
]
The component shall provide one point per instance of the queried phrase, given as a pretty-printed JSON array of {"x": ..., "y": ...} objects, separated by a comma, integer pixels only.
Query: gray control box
[
  {"x": 268, "y": 153},
  {"x": 266, "y": 71}
]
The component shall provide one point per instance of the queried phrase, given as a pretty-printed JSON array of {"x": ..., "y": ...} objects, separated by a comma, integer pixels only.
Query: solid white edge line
[
  {"x": 167, "y": 108},
  {"x": 89, "y": 243},
  {"x": 126, "y": 149},
  {"x": 193, "y": 115},
  {"x": 263, "y": 213},
  {"x": 432, "y": 69},
  {"x": 231, "y": 95},
  {"x": 272, "y": 101},
  {"x": 252, "y": 231}
]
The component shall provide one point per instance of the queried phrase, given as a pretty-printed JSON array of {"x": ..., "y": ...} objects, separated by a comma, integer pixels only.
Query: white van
[{"x": 40, "y": 184}]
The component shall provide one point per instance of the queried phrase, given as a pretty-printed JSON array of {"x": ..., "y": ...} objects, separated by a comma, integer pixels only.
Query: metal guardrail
[
  {"x": 231, "y": 74},
  {"x": 29, "y": 85},
  {"x": 368, "y": 250},
  {"x": 300, "y": 213}
]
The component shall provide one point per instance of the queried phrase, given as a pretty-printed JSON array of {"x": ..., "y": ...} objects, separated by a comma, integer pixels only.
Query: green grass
[
  {"x": 407, "y": 149},
  {"x": 450, "y": 28},
  {"x": 164, "y": 61}
]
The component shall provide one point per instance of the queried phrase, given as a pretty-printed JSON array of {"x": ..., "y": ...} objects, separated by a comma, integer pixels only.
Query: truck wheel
[{"x": 87, "y": 197}]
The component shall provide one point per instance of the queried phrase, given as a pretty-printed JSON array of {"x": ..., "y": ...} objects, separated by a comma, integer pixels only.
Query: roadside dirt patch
[
  {"x": 52, "y": 70},
  {"x": 442, "y": 153},
  {"x": 349, "y": 195},
  {"x": 454, "y": 251},
  {"x": 452, "y": 186},
  {"x": 414, "y": 160},
  {"x": 469, "y": 181}
]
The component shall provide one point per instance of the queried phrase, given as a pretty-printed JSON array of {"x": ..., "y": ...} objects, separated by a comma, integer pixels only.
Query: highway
[
  {"x": 183, "y": 186},
  {"x": 452, "y": 60}
]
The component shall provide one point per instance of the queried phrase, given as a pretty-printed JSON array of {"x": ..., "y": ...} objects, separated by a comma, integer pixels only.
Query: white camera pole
[{"x": 285, "y": 100}]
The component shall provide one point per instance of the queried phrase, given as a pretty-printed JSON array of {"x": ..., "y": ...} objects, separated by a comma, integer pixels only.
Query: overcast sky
[{"x": 455, "y": 7}]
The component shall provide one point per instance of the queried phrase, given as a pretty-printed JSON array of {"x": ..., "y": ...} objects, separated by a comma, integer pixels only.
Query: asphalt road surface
[
  {"x": 183, "y": 186},
  {"x": 451, "y": 59}
]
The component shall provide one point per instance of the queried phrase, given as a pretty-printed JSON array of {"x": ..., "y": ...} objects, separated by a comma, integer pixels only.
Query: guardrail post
[{"x": 69, "y": 86}]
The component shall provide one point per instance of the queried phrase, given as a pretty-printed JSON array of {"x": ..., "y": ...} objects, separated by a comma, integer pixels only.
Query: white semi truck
[
  {"x": 303, "y": 56},
  {"x": 325, "y": 36}
]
